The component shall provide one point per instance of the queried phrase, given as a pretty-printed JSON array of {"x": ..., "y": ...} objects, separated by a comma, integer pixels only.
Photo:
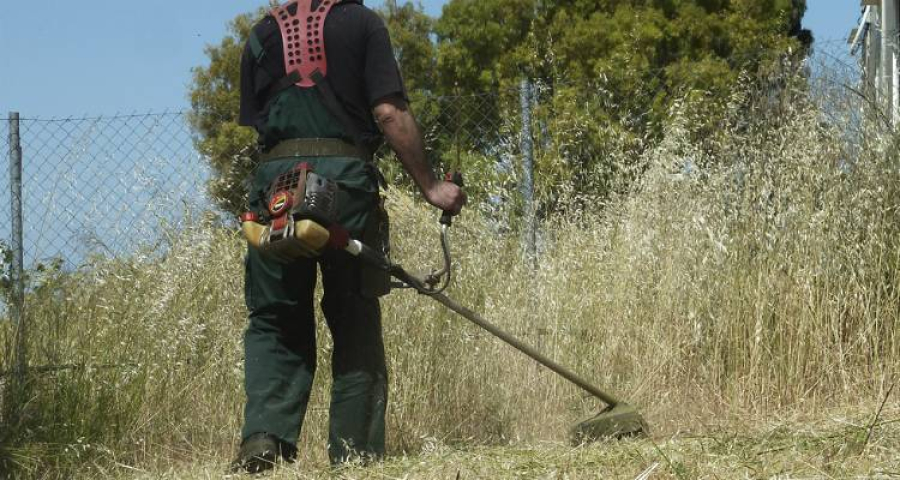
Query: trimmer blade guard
[{"x": 620, "y": 421}]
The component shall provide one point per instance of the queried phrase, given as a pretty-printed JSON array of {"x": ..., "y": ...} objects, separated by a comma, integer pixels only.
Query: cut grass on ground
[{"x": 839, "y": 447}]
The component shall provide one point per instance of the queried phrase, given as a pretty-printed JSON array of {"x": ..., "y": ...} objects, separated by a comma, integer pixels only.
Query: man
[{"x": 322, "y": 71}]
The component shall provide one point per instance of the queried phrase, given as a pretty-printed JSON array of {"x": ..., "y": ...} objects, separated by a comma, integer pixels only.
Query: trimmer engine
[{"x": 302, "y": 205}]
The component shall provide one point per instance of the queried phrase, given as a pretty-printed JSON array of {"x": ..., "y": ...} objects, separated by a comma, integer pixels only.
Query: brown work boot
[{"x": 259, "y": 452}]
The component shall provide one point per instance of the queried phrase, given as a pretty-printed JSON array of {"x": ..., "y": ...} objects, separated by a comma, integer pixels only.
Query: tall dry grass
[{"x": 762, "y": 282}]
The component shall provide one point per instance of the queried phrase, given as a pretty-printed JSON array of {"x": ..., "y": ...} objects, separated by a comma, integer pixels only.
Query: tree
[
  {"x": 215, "y": 102},
  {"x": 410, "y": 29},
  {"x": 481, "y": 43},
  {"x": 609, "y": 71}
]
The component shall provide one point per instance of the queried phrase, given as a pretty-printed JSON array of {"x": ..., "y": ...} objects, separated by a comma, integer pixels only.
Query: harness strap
[
  {"x": 332, "y": 104},
  {"x": 280, "y": 85},
  {"x": 310, "y": 147},
  {"x": 303, "y": 46},
  {"x": 319, "y": 147},
  {"x": 256, "y": 47}
]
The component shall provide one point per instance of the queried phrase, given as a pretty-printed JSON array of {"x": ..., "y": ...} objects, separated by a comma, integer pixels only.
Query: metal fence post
[
  {"x": 17, "y": 304},
  {"x": 525, "y": 96},
  {"x": 890, "y": 29}
]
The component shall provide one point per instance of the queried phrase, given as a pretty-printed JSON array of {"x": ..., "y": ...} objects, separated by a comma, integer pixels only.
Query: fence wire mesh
[
  {"x": 103, "y": 185},
  {"x": 108, "y": 185}
]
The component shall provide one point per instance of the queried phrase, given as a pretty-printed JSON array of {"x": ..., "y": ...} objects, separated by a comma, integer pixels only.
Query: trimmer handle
[{"x": 457, "y": 178}]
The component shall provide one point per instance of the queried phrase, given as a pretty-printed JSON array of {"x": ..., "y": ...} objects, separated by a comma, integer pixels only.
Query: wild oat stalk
[{"x": 760, "y": 279}]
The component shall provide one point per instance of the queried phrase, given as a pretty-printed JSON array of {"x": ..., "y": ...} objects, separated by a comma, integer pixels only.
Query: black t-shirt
[{"x": 361, "y": 66}]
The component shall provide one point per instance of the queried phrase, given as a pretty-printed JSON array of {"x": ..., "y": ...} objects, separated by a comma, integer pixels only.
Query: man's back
[{"x": 361, "y": 69}]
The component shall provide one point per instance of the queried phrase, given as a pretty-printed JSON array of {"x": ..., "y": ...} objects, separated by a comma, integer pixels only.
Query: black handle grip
[{"x": 457, "y": 178}]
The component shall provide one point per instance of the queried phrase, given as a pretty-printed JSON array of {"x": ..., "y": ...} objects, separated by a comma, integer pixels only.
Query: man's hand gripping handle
[{"x": 457, "y": 179}]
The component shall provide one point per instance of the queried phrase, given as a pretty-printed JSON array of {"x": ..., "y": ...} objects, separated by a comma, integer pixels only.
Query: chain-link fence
[
  {"x": 105, "y": 185},
  {"x": 108, "y": 186},
  {"x": 472, "y": 122},
  {"x": 77, "y": 188},
  {"x": 102, "y": 185},
  {"x": 112, "y": 186}
]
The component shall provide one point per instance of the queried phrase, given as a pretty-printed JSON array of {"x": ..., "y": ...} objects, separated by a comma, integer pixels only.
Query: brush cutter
[{"x": 303, "y": 233}]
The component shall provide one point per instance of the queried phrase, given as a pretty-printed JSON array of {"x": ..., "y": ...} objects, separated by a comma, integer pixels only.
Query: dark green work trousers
[{"x": 280, "y": 341}]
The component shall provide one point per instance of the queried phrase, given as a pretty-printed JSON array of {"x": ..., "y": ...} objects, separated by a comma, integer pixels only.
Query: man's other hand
[{"x": 446, "y": 196}]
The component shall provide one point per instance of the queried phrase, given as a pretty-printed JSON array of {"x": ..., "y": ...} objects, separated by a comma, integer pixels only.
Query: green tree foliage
[
  {"x": 609, "y": 72},
  {"x": 481, "y": 43},
  {"x": 215, "y": 102},
  {"x": 410, "y": 29}
]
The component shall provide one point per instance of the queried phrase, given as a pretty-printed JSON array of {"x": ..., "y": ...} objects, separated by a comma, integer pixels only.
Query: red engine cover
[{"x": 303, "y": 37}]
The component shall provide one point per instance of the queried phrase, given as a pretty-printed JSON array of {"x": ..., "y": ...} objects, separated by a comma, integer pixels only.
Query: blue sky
[{"x": 100, "y": 57}]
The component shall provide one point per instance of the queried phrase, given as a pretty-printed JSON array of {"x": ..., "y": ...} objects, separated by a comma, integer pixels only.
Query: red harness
[{"x": 303, "y": 37}]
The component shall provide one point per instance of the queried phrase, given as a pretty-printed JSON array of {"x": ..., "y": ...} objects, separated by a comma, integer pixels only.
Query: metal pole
[
  {"x": 525, "y": 96},
  {"x": 17, "y": 307},
  {"x": 889, "y": 34},
  {"x": 895, "y": 91},
  {"x": 526, "y": 349},
  {"x": 373, "y": 257},
  {"x": 873, "y": 65},
  {"x": 873, "y": 52}
]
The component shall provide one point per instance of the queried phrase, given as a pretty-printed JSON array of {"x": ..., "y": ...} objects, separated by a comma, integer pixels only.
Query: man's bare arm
[{"x": 402, "y": 134}]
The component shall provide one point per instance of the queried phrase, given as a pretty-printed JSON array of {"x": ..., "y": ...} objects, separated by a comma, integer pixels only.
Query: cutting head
[{"x": 614, "y": 422}]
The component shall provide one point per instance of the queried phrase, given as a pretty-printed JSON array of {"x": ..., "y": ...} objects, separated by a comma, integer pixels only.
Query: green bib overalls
[{"x": 280, "y": 343}]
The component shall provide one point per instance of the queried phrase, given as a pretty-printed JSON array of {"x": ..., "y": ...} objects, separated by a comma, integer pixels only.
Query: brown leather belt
[{"x": 310, "y": 147}]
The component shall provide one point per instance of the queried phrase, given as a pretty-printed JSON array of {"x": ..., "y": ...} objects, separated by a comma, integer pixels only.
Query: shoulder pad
[{"x": 303, "y": 39}]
